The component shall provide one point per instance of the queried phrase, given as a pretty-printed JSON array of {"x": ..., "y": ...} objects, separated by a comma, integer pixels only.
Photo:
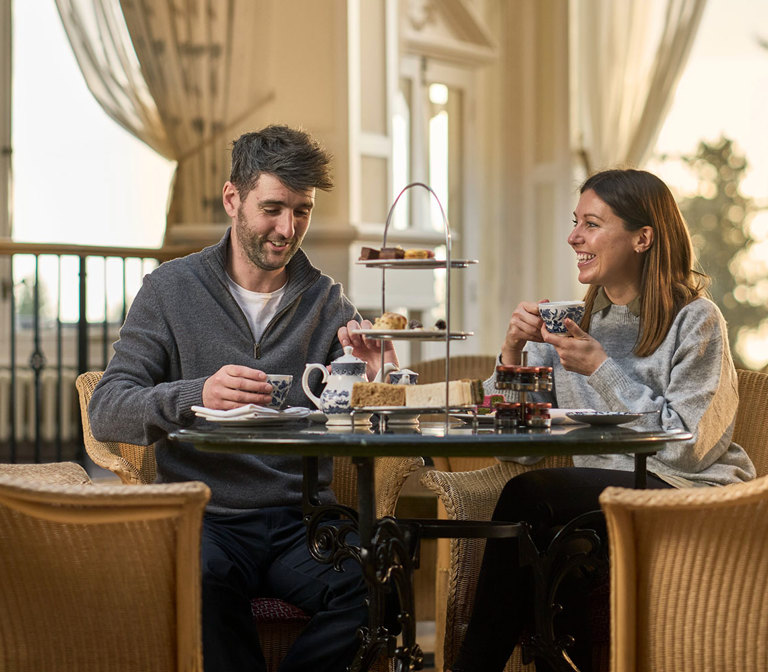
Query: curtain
[
  {"x": 626, "y": 61},
  {"x": 184, "y": 77}
]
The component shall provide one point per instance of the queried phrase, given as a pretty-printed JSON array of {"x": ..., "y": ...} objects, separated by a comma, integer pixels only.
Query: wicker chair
[
  {"x": 96, "y": 578},
  {"x": 689, "y": 578},
  {"x": 278, "y": 623},
  {"x": 473, "y": 495},
  {"x": 50, "y": 473}
]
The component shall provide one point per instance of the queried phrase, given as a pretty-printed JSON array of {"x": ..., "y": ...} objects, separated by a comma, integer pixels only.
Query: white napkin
[
  {"x": 249, "y": 411},
  {"x": 559, "y": 417}
]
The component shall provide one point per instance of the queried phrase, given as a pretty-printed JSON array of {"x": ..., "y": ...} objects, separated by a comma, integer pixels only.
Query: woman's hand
[
  {"x": 524, "y": 325},
  {"x": 367, "y": 349},
  {"x": 578, "y": 351}
]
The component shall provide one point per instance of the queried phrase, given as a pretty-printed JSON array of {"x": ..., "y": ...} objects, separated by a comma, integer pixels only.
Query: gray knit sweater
[
  {"x": 182, "y": 327},
  {"x": 690, "y": 379}
]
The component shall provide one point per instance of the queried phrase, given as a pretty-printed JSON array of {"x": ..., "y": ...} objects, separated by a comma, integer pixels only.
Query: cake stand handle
[{"x": 447, "y": 231}]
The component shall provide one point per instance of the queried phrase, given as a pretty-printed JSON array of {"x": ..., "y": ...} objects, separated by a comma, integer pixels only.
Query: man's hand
[
  {"x": 232, "y": 386},
  {"x": 367, "y": 349},
  {"x": 578, "y": 351}
]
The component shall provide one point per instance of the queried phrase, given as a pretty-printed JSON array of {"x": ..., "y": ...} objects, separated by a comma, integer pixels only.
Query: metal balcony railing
[{"x": 61, "y": 307}]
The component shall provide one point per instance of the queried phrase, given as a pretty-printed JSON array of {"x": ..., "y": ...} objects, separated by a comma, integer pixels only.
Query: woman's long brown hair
[{"x": 669, "y": 281}]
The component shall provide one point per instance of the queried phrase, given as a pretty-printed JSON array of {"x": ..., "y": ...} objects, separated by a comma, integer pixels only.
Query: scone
[{"x": 389, "y": 321}]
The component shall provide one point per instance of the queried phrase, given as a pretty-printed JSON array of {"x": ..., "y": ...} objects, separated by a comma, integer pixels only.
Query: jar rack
[{"x": 523, "y": 379}]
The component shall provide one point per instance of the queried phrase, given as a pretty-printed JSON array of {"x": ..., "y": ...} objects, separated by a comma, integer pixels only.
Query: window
[{"x": 78, "y": 177}]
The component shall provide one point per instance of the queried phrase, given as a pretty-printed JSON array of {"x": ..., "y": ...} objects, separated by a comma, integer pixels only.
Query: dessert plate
[
  {"x": 415, "y": 263},
  {"x": 482, "y": 419},
  {"x": 412, "y": 334},
  {"x": 605, "y": 417},
  {"x": 562, "y": 416},
  {"x": 559, "y": 416},
  {"x": 348, "y": 420},
  {"x": 396, "y": 415}
]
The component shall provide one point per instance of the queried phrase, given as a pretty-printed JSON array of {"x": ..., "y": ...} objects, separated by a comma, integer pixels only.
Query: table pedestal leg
[
  {"x": 385, "y": 554},
  {"x": 576, "y": 546},
  {"x": 388, "y": 568},
  {"x": 388, "y": 565}
]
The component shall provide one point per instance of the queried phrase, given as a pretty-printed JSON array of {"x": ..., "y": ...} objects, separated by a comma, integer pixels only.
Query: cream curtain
[
  {"x": 184, "y": 78},
  {"x": 103, "y": 49},
  {"x": 627, "y": 58}
]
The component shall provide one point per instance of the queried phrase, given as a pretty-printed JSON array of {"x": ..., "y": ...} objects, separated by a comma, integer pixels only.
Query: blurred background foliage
[{"x": 720, "y": 220}]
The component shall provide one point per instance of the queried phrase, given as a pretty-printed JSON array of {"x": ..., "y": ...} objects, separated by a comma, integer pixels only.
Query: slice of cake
[
  {"x": 432, "y": 395},
  {"x": 369, "y": 253},
  {"x": 391, "y": 253},
  {"x": 378, "y": 394}
]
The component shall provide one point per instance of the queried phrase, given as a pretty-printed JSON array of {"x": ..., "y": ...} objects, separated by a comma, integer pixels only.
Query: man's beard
[{"x": 256, "y": 247}]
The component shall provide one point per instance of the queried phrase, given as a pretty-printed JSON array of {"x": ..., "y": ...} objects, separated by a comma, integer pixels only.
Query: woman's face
[{"x": 607, "y": 253}]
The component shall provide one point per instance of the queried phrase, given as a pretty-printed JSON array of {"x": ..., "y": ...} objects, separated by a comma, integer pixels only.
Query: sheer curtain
[
  {"x": 185, "y": 82},
  {"x": 627, "y": 58}
]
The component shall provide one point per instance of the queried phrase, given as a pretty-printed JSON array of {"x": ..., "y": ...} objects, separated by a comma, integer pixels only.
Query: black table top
[{"x": 428, "y": 438}]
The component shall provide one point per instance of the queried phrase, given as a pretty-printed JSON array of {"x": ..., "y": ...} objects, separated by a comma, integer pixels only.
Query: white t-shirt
[{"x": 259, "y": 307}]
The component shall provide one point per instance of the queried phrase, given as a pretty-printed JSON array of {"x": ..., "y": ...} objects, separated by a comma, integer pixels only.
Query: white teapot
[{"x": 345, "y": 372}]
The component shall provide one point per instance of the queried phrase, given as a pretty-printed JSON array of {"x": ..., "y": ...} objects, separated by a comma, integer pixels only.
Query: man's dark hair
[{"x": 291, "y": 155}]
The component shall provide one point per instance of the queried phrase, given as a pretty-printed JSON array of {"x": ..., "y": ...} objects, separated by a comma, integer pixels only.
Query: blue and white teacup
[
  {"x": 281, "y": 383},
  {"x": 403, "y": 377},
  {"x": 554, "y": 313}
]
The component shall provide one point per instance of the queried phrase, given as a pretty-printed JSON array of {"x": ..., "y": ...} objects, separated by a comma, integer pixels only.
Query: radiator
[{"x": 22, "y": 405}]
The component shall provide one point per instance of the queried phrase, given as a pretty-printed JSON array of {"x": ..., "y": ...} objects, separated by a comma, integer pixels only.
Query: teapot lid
[{"x": 348, "y": 357}]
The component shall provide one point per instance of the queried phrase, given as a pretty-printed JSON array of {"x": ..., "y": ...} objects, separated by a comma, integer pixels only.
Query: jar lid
[{"x": 507, "y": 368}]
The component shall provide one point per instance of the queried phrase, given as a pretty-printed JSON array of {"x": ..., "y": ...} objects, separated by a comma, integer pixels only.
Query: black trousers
[
  {"x": 546, "y": 499},
  {"x": 264, "y": 553}
]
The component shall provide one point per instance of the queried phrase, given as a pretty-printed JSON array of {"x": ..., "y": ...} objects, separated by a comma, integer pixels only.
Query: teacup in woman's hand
[{"x": 553, "y": 313}]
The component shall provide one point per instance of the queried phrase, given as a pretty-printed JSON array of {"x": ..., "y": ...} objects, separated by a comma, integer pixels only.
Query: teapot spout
[{"x": 384, "y": 371}]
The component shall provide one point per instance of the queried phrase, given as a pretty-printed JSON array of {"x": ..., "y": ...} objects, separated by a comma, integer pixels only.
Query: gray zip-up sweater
[
  {"x": 690, "y": 380},
  {"x": 183, "y": 326}
]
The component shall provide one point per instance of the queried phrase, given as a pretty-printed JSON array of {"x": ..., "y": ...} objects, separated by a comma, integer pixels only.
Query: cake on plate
[{"x": 377, "y": 394}]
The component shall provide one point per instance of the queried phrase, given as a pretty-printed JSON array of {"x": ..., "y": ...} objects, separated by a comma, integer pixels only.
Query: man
[{"x": 205, "y": 330}]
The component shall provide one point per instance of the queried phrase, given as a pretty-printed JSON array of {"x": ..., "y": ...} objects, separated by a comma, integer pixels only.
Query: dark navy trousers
[
  {"x": 546, "y": 499},
  {"x": 264, "y": 553}
]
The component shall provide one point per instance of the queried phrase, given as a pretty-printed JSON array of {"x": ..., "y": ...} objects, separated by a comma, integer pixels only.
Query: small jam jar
[
  {"x": 506, "y": 376},
  {"x": 544, "y": 378},
  {"x": 526, "y": 379},
  {"x": 537, "y": 414},
  {"x": 508, "y": 415}
]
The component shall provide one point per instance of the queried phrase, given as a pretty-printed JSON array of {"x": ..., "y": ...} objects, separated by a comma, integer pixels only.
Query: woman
[{"x": 649, "y": 341}]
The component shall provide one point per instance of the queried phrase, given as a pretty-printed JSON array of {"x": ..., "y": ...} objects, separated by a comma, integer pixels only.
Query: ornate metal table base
[
  {"x": 387, "y": 550},
  {"x": 387, "y": 564},
  {"x": 577, "y": 546}
]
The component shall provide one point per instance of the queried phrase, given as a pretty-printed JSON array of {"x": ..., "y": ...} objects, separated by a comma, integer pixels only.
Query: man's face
[{"x": 271, "y": 222}]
